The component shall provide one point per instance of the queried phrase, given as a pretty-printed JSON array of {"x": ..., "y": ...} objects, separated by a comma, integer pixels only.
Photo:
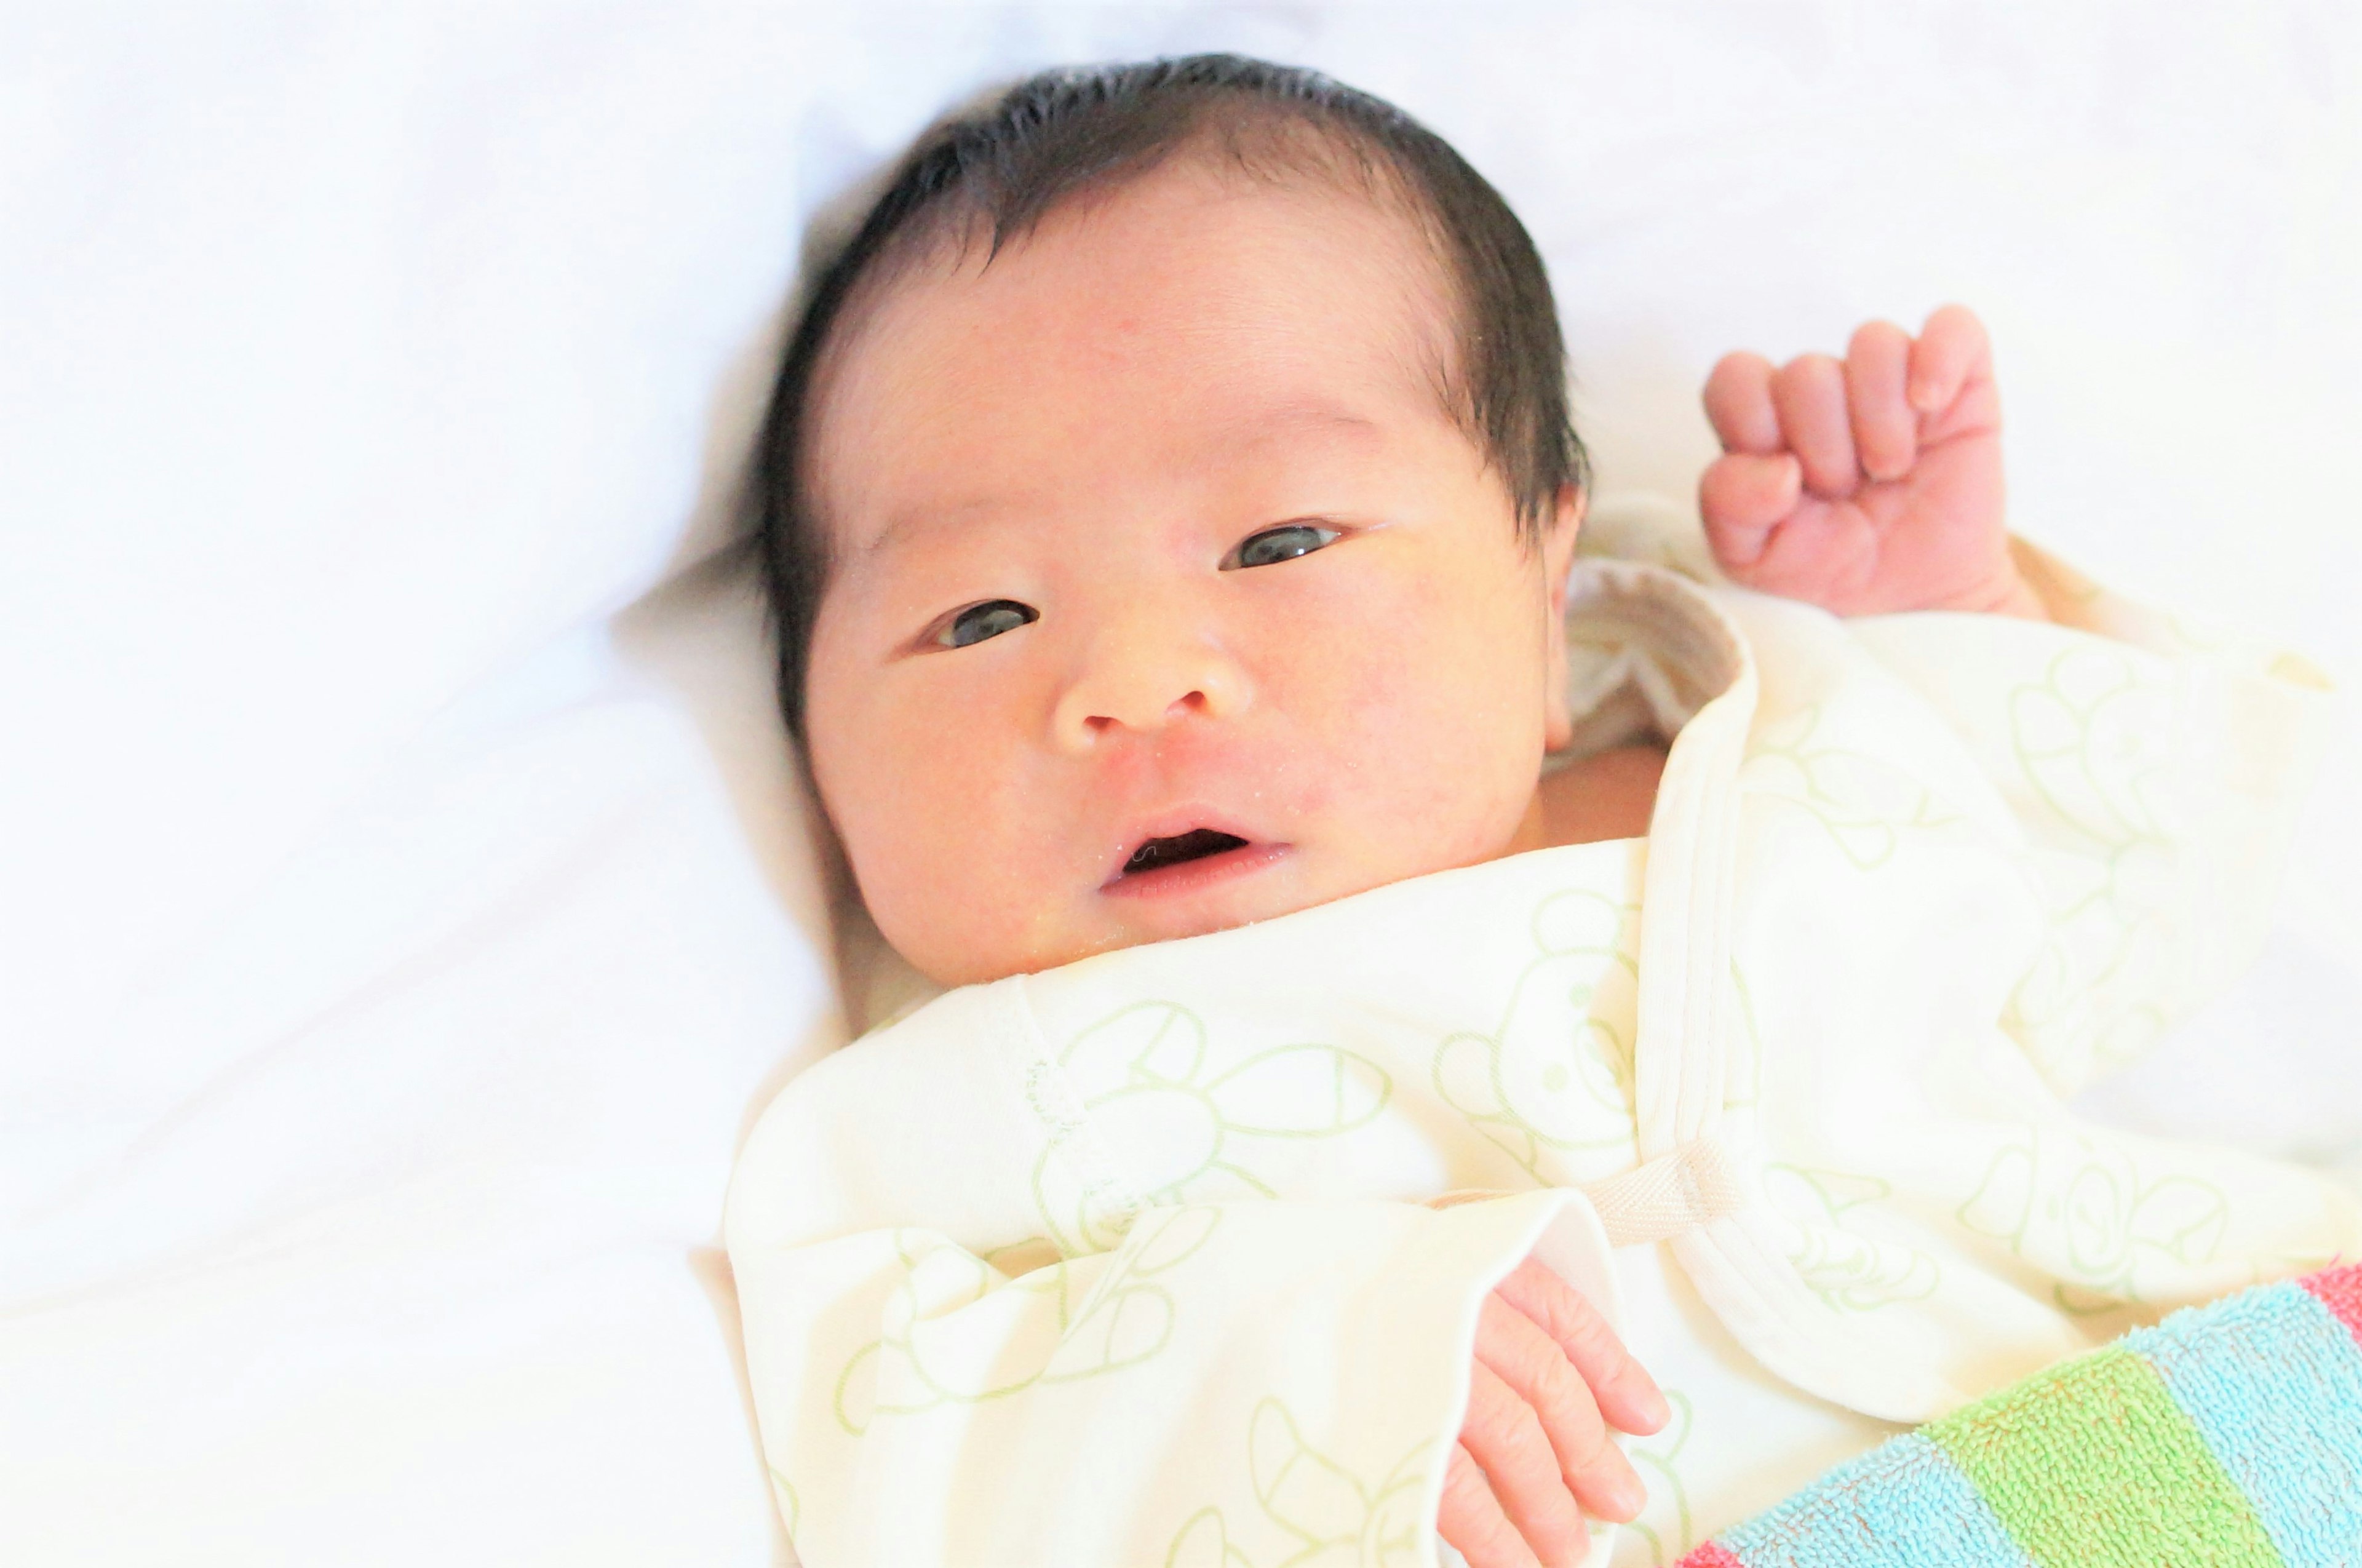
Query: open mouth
[{"x": 1180, "y": 849}]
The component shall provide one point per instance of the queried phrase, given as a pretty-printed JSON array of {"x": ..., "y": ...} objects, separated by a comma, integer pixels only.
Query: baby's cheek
[
  {"x": 1435, "y": 740},
  {"x": 928, "y": 841}
]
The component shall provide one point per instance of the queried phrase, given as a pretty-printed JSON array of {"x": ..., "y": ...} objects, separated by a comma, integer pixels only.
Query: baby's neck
[{"x": 1606, "y": 795}]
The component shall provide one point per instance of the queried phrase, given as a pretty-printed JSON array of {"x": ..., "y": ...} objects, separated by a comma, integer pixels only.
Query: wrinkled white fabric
[{"x": 1131, "y": 1261}]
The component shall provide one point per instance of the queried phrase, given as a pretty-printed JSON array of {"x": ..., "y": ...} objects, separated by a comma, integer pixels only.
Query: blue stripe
[
  {"x": 2273, "y": 1381},
  {"x": 1903, "y": 1505}
]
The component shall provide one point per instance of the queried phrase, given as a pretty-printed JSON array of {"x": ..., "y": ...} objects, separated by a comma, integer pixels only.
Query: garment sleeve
[
  {"x": 1245, "y": 1382},
  {"x": 2156, "y": 770}
]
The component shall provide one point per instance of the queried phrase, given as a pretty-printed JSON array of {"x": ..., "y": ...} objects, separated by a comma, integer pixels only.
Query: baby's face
[{"x": 1151, "y": 537}]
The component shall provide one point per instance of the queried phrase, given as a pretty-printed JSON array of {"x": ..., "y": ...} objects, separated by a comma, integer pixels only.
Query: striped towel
[{"x": 2230, "y": 1435}]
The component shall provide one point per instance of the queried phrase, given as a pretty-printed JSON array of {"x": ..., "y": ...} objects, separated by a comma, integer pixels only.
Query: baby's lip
[{"x": 1193, "y": 831}]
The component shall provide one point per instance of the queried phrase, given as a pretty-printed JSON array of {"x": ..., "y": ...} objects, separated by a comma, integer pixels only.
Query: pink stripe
[
  {"x": 1713, "y": 1554},
  {"x": 2340, "y": 1291}
]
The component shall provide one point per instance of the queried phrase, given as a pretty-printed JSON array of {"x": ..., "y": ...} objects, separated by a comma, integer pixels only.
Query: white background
[{"x": 404, "y": 906}]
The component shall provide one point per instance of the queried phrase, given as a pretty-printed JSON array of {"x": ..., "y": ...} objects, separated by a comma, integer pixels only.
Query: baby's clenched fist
[
  {"x": 1867, "y": 485},
  {"x": 1550, "y": 1379}
]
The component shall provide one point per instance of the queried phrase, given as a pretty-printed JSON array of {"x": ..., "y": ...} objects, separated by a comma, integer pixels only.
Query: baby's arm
[
  {"x": 1869, "y": 485},
  {"x": 1550, "y": 1379}
]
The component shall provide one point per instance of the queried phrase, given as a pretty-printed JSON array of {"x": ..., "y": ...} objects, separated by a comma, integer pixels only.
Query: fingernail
[
  {"x": 1626, "y": 1499},
  {"x": 1924, "y": 396},
  {"x": 1654, "y": 1411}
]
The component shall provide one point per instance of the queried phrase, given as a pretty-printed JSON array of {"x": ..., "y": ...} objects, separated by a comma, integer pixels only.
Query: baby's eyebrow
[
  {"x": 1260, "y": 424},
  {"x": 907, "y": 525},
  {"x": 1263, "y": 423}
]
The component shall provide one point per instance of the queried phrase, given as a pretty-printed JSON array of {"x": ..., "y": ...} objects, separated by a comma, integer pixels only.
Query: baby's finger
[
  {"x": 1951, "y": 351},
  {"x": 1885, "y": 432},
  {"x": 1628, "y": 1396},
  {"x": 1516, "y": 1348},
  {"x": 1742, "y": 498},
  {"x": 1504, "y": 1437},
  {"x": 1826, "y": 555},
  {"x": 1810, "y": 395},
  {"x": 1471, "y": 1520},
  {"x": 1738, "y": 404}
]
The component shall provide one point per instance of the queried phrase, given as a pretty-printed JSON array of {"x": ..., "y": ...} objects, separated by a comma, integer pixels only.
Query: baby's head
[{"x": 1166, "y": 503}]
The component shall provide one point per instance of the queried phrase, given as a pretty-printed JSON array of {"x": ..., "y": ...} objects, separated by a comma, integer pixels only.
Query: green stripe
[{"x": 2092, "y": 1464}]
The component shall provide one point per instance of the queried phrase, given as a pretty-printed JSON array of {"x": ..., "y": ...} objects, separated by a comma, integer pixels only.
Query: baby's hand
[
  {"x": 1868, "y": 486},
  {"x": 1550, "y": 1377}
]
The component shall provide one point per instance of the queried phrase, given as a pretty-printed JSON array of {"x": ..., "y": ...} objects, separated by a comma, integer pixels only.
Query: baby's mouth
[
  {"x": 1183, "y": 853},
  {"x": 1195, "y": 845},
  {"x": 1186, "y": 864}
]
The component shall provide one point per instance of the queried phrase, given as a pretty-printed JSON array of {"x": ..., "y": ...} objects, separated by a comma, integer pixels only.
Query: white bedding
[{"x": 406, "y": 906}]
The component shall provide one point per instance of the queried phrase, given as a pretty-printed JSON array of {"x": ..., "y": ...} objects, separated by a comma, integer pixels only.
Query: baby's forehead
[{"x": 1196, "y": 295}]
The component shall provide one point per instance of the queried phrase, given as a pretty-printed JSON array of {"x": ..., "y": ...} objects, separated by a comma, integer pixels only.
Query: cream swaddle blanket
[{"x": 1142, "y": 1261}]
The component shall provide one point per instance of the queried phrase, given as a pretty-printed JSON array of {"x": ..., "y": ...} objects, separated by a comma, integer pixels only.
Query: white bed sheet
[{"x": 407, "y": 902}]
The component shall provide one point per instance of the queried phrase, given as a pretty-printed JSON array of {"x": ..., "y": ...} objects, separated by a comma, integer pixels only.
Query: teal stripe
[
  {"x": 2273, "y": 1381},
  {"x": 1903, "y": 1505}
]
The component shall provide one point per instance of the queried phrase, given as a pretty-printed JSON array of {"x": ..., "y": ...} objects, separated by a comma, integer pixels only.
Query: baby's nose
[
  {"x": 1142, "y": 679},
  {"x": 1189, "y": 702}
]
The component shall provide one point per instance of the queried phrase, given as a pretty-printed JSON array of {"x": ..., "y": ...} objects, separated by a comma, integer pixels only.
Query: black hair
[{"x": 1001, "y": 168}]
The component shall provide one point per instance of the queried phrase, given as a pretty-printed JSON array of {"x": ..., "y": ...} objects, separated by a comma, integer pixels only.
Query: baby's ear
[{"x": 1558, "y": 531}]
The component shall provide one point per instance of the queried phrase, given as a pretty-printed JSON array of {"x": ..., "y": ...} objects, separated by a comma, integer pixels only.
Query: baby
[{"x": 1169, "y": 507}]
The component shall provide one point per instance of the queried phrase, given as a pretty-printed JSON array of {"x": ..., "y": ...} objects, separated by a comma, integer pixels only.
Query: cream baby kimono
[{"x": 1139, "y": 1261}]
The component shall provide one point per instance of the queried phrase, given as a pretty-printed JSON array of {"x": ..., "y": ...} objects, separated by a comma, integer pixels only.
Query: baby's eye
[
  {"x": 990, "y": 619},
  {"x": 1284, "y": 543}
]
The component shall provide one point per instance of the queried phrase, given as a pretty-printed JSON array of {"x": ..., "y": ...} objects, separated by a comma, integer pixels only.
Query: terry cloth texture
[{"x": 2230, "y": 1435}]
